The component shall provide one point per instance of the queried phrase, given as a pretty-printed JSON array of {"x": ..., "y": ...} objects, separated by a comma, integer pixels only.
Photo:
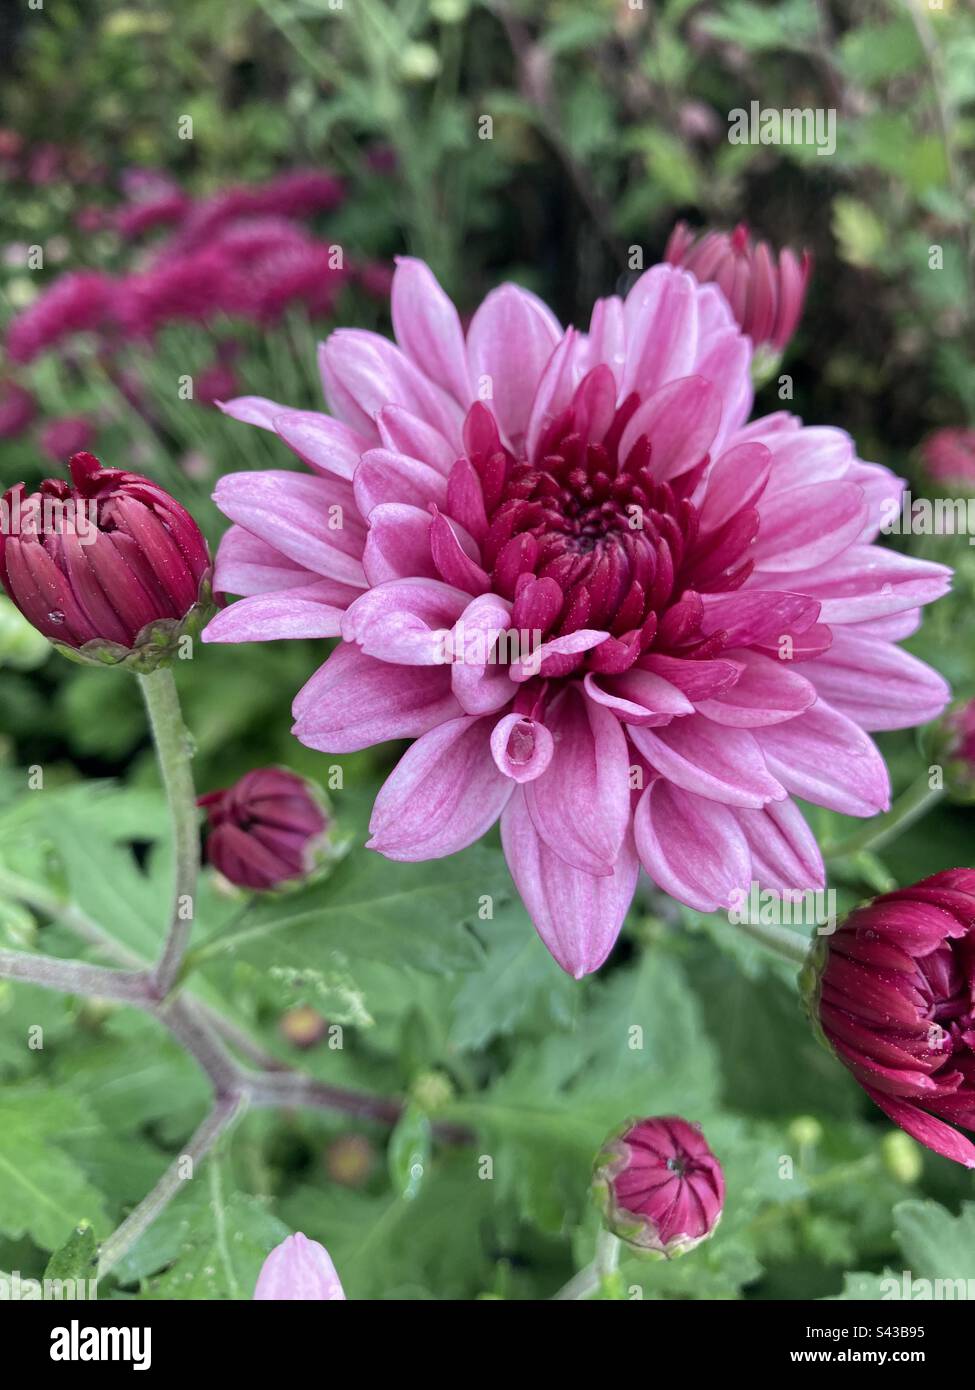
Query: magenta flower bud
[
  {"x": 298, "y": 1268},
  {"x": 660, "y": 1187},
  {"x": 892, "y": 990},
  {"x": 267, "y": 829},
  {"x": 17, "y": 409},
  {"x": 109, "y": 567},
  {"x": 766, "y": 295},
  {"x": 69, "y": 435},
  {"x": 949, "y": 456}
]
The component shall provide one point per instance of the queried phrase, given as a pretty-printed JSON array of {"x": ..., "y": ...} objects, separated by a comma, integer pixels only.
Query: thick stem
[
  {"x": 142, "y": 1217},
  {"x": 76, "y": 977},
  {"x": 605, "y": 1261},
  {"x": 909, "y": 807},
  {"x": 174, "y": 753}
]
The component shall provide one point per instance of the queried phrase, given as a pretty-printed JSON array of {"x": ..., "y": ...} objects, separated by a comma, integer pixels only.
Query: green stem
[
  {"x": 791, "y": 946},
  {"x": 173, "y": 750},
  {"x": 142, "y": 1217},
  {"x": 604, "y": 1263},
  {"x": 919, "y": 797}
]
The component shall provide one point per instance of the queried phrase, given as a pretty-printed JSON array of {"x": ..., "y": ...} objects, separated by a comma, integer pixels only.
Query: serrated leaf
[
  {"x": 369, "y": 906},
  {"x": 76, "y": 1259},
  {"x": 209, "y": 1244},
  {"x": 43, "y": 1192}
]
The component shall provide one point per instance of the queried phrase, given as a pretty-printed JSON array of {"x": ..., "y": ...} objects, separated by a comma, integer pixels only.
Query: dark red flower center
[{"x": 582, "y": 535}]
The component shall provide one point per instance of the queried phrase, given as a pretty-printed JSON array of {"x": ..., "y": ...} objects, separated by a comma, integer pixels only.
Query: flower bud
[
  {"x": 660, "y": 1187},
  {"x": 951, "y": 743},
  {"x": 268, "y": 829},
  {"x": 303, "y": 1026},
  {"x": 949, "y": 456},
  {"x": 892, "y": 992},
  {"x": 109, "y": 567},
  {"x": 300, "y": 1269},
  {"x": 766, "y": 295}
]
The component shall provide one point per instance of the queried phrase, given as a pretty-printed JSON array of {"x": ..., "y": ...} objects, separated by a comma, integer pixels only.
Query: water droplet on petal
[{"x": 55, "y": 616}]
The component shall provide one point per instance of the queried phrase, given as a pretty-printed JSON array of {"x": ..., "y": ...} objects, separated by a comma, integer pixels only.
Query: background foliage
[{"x": 609, "y": 121}]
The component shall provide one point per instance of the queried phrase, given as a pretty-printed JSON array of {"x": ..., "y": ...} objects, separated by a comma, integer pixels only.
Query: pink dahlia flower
[
  {"x": 78, "y": 302},
  {"x": 610, "y": 611},
  {"x": 895, "y": 996},
  {"x": 269, "y": 828}
]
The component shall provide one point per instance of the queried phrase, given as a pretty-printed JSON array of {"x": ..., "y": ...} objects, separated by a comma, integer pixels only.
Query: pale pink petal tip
[{"x": 298, "y": 1269}]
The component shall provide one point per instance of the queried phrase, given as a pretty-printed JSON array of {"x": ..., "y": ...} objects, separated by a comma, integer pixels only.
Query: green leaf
[
  {"x": 77, "y": 1259},
  {"x": 412, "y": 914},
  {"x": 43, "y": 1192},
  {"x": 209, "y": 1243},
  {"x": 408, "y": 1154},
  {"x": 519, "y": 984}
]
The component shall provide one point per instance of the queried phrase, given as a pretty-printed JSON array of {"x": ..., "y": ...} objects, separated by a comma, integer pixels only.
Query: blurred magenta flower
[
  {"x": 766, "y": 296},
  {"x": 949, "y": 456},
  {"x": 894, "y": 991},
  {"x": 147, "y": 215},
  {"x": 267, "y": 829},
  {"x": 108, "y": 565},
  {"x": 71, "y": 434},
  {"x": 660, "y": 1187},
  {"x": 77, "y": 302},
  {"x": 609, "y": 610},
  {"x": 17, "y": 409},
  {"x": 298, "y": 1268}
]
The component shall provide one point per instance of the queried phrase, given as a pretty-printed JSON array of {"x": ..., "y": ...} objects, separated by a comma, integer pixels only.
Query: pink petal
[
  {"x": 661, "y": 330},
  {"x": 452, "y": 563},
  {"x": 482, "y": 684},
  {"x": 934, "y": 1134},
  {"x": 521, "y": 747},
  {"x": 577, "y": 915},
  {"x": 681, "y": 420},
  {"x": 581, "y": 803},
  {"x": 766, "y": 692},
  {"x": 292, "y": 513},
  {"x": 638, "y": 697},
  {"x": 253, "y": 410},
  {"x": 398, "y": 544},
  {"x": 807, "y": 526},
  {"x": 607, "y": 336},
  {"x": 698, "y": 680},
  {"x": 403, "y": 433},
  {"x": 271, "y": 617},
  {"x": 405, "y": 621},
  {"x": 750, "y": 617},
  {"x": 783, "y": 849},
  {"x": 443, "y": 794},
  {"x": 877, "y": 685},
  {"x": 362, "y": 373},
  {"x": 547, "y": 657},
  {"x": 383, "y": 476},
  {"x": 872, "y": 581},
  {"x": 735, "y": 481},
  {"x": 511, "y": 337},
  {"x": 555, "y": 391},
  {"x": 298, "y": 1268},
  {"x": 354, "y": 701},
  {"x": 719, "y": 763},
  {"x": 324, "y": 444},
  {"x": 692, "y": 848},
  {"x": 427, "y": 327},
  {"x": 247, "y": 565},
  {"x": 825, "y": 758}
]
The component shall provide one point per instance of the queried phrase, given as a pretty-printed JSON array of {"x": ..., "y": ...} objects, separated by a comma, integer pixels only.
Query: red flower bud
[
  {"x": 660, "y": 1187},
  {"x": 108, "y": 567},
  {"x": 267, "y": 829},
  {"x": 766, "y": 296},
  {"x": 894, "y": 992}
]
